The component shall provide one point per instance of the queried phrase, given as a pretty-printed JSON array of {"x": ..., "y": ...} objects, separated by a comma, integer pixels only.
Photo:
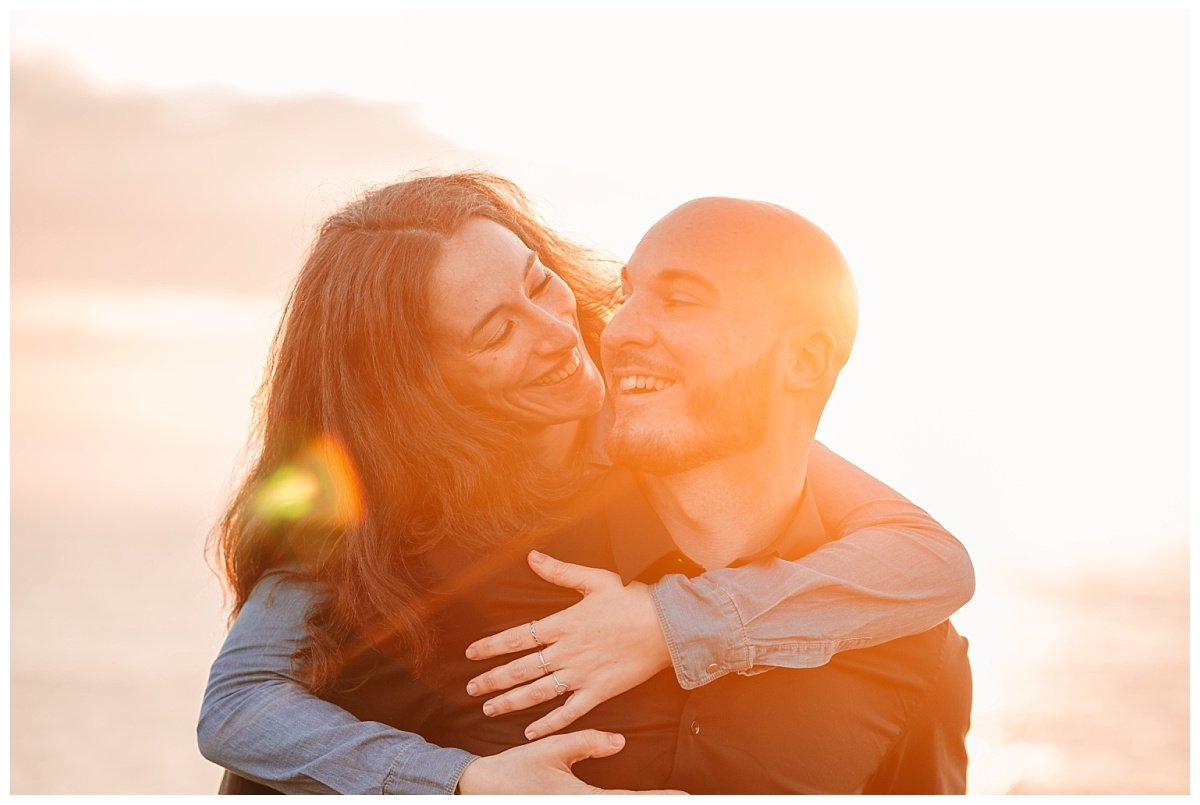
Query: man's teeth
[
  {"x": 643, "y": 383},
  {"x": 562, "y": 374}
]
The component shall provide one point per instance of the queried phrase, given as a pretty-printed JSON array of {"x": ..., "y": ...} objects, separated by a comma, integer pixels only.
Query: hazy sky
[{"x": 1010, "y": 189}]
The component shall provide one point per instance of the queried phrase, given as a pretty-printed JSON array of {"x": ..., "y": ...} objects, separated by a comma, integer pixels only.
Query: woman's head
[
  {"x": 392, "y": 280},
  {"x": 434, "y": 321},
  {"x": 504, "y": 330}
]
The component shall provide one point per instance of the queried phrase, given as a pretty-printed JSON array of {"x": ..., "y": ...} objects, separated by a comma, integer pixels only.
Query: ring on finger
[
  {"x": 542, "y": 662},
  {"x": 533, "y": 634},
  {"x": 559, "y": 687}
]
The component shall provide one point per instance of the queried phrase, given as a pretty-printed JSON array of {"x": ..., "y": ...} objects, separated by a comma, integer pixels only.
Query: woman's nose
[{"x": 555, "y": 334}]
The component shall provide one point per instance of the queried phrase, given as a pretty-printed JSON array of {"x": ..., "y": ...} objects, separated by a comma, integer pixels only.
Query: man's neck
[{"x": 733, "y": 507}]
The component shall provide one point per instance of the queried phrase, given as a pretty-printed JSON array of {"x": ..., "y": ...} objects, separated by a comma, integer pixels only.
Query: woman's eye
[
  {"x": 501, "y": 336},
  {"x": 681, "y": 300},
  {"x": 547, "y": 278}
]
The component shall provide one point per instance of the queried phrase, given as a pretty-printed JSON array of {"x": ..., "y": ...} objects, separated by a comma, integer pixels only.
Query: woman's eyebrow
[{"x": 530, "y": 259}]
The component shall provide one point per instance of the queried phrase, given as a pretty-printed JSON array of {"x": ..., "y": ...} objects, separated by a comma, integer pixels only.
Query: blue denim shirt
[{"x": 893, "y": 572}]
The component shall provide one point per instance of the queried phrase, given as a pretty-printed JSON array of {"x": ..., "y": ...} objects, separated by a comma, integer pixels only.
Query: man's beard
[{"x": 725, "y": 417}]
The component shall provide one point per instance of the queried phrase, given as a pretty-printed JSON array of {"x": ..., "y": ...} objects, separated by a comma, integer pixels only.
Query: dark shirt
[
  {"x": 497, "y": 590},
  {"x": 887, "y": 719}
]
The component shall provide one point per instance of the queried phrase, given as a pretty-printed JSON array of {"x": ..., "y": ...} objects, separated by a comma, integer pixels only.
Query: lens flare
[{"x": 318, "y": 487}]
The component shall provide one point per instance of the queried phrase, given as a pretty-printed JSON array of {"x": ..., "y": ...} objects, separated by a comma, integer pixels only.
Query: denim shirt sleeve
[
  {"x": 891, "y": 571},
  {"x": 259, "y": 721}
]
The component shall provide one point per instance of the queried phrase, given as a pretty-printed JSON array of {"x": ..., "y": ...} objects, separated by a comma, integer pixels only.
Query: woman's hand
[
  {"x": 606, "y": 644},
  {"x": 543, "y": 767}
]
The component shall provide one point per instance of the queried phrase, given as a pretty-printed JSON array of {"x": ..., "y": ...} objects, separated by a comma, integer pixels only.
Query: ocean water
[{"x": 123, "y": 443}]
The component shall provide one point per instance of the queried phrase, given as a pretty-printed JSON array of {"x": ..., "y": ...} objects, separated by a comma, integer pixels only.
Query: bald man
[{"x": 738, "y": 317}]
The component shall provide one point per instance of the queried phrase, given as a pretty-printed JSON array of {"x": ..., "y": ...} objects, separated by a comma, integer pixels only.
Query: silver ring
[
  {"x": 542, "y": 662},
  {"x": 533, "y": 634},
  {"x": 559, "y": 687}
]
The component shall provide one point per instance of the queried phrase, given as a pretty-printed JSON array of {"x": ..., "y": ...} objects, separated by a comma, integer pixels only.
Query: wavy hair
[{"x": 364, "y": 460}]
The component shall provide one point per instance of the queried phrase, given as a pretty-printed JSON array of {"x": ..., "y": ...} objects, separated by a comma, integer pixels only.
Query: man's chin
[{"x": 650, "y": 453}]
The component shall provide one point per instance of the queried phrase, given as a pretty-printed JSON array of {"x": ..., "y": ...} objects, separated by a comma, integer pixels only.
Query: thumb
[
  {"x": 575, "y": 746},
  {"x": 564, "y": 574}
]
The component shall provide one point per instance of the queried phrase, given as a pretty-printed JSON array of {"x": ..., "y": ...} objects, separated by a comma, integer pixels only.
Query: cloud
[{"x": 204, "y": 188}]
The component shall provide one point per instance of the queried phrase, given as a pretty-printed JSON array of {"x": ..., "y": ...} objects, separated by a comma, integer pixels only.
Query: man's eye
[
  {"x": 501, "y": 336},
  {"x": 681, "y": 300}
]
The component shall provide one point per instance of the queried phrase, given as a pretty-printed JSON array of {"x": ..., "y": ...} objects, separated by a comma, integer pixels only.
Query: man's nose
[{"x": 627, "y": 326}]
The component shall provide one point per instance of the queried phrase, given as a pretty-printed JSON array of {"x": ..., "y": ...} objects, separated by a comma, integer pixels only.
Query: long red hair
[{"x": 364, "y": 460}]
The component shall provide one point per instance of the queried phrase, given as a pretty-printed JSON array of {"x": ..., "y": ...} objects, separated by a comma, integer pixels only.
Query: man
[{"x": 738, "y": 316}]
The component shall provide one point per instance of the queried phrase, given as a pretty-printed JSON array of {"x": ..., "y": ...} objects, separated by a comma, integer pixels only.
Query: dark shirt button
[{"x": 695, "y": 728}]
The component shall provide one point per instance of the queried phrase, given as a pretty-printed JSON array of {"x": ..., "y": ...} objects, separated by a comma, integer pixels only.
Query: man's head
[{"x": 738, "y": 316}]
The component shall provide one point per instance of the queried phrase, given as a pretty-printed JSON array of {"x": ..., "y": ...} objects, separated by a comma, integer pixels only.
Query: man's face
[{"x": 691, "y": 356}]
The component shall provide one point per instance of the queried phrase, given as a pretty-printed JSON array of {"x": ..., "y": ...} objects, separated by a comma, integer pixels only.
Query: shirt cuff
[
  {"x": 703, "y": 629},
  {"x": 430, "y": 770}
]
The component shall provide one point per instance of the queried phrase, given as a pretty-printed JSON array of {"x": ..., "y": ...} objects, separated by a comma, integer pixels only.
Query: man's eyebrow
[
  {"x": 530, "y": 259},
  {"x": 686, "y": 275}
]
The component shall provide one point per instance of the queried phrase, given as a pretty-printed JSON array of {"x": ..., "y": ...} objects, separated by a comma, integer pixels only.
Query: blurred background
[{"x": 1011, "y": 190}]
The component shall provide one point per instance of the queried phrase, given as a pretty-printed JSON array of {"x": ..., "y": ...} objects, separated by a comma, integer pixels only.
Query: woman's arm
[
  {"x": 890, "y": 571},
  {"x": 260, "y": 722}
]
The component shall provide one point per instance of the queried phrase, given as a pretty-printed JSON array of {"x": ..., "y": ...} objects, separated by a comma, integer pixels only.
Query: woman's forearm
[
  {"x": 890, "y": 570},
  {"x": 258, "y": 721}
]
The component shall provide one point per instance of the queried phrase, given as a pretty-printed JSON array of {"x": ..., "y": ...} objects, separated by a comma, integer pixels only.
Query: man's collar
[{"x": 644, "y": 551}]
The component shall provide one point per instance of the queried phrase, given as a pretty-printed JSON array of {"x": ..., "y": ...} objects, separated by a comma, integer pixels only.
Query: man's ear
[{"x": 810, "y": 358}]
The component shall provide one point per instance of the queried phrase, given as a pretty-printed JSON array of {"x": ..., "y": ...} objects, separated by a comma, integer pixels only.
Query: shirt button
[
  {"x": 712, "y": 668},
  {"x": 695, "y": 728}
]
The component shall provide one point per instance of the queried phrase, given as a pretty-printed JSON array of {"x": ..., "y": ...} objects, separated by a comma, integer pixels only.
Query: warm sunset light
[
  {"x": 319, "y": 488},
  {"x": 1009, "y": 190}
]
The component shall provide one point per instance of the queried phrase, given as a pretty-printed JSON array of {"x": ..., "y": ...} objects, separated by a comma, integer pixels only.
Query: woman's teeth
[
  {"x": 643, "y": 383},
  {"x": 562, "y": 374}
]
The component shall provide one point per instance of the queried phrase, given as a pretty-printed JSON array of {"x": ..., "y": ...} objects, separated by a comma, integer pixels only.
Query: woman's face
[{"x": 506, "y": 337}]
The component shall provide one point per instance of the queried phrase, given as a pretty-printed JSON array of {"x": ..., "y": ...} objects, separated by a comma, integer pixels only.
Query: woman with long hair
[{"x": 429, "y": 413}]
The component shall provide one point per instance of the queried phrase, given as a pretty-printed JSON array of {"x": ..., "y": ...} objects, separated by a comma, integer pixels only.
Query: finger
[
  {"x": 576, "y": 705},
  {"x": 525, "y": 669},
  {"x": 536, "y": 692},
  {"x": 518, "y": 638},
  {"x": 564, "y": 574},
  {"x": 573, "y": 747}
]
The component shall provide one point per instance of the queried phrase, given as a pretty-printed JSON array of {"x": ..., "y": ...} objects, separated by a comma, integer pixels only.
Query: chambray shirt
[{"x": 893, "y": 572}]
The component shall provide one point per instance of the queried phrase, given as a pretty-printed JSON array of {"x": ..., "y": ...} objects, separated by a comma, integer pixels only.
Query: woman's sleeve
[
  {"x": 260, "y": 722},
  {"x": 890, "y": 571}
]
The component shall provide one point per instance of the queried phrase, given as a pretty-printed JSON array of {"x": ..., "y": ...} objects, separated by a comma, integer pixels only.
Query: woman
[{"x": 436, "y": 371}]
